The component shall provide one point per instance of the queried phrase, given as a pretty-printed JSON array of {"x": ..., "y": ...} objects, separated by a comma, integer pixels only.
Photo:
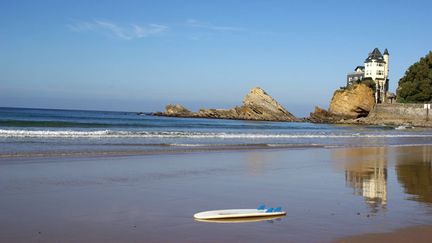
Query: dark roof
[
  {"x": 375, "y": 55},
  {"x": 361, "y": 67},
  {"x": 386, "y": 52}
]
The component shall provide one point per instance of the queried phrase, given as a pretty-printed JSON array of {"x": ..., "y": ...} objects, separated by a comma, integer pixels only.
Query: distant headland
[
  {"x": 257, "y": 105},
  {"x": 364, "y": 100}
]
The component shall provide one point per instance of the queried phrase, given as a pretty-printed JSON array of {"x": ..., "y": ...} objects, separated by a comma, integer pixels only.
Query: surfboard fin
[{"x": 269, "y": 210}]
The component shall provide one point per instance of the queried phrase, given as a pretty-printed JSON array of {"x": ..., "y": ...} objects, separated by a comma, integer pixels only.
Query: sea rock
[
  {"x": 257, "y": 105},
  {"x": 353, "y": 102},
  {"x": 176, "y": 110},
  {"x": 218, "y": 113},
  {"x": 321, "y": 115}
]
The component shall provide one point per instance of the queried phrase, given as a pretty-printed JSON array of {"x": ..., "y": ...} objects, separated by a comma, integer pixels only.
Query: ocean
[{"x": 32, "y": 131}]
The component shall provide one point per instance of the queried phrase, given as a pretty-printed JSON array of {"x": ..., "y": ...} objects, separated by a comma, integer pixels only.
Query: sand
[
  {"x": 419, "y": 234},
  {"x": 328, "y": 194}
]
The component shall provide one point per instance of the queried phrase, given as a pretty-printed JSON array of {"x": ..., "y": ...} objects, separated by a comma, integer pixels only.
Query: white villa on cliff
[{"x": 375, "y": 68}]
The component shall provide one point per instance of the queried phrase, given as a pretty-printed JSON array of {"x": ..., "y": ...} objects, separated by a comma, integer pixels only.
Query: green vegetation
[
  {"x": 368, "y": 82},
  {"x": 416, "y": 85},
  {"x": 416, "y": 178}
]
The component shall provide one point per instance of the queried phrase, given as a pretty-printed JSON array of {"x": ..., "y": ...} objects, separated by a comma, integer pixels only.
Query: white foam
[
  {"x": 189, "y": 145},
  {"x": 221, "y": 135},
  {"x": 53, "y": 134}
]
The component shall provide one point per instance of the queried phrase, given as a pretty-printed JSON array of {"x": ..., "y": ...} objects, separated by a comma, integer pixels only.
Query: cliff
[
  {"x": 257, "y": 105},
  {"x": 353, "y": 102}
]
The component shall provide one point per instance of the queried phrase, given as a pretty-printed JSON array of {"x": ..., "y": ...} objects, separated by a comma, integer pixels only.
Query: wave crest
[{"x": 183, "y": 134}]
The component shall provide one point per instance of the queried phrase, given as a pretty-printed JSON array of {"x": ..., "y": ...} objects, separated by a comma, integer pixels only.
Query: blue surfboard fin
[{"x": 261, "y": 207}]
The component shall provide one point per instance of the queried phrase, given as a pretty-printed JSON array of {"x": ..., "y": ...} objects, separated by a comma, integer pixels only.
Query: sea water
[{"x": 51, "y": 130}]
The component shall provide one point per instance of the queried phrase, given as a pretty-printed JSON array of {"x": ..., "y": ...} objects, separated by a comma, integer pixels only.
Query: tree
[
  {"x": 369, "y": 82},
  {"x": 416, "y": 85}
]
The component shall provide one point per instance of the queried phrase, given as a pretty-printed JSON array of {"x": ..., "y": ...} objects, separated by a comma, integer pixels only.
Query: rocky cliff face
[
  {"x": 257, "y": 105},
  {"x": 354, "y": 102}
]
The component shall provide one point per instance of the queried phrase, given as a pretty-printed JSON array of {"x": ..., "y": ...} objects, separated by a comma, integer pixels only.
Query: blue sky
[{"x": 142, "y": 55}]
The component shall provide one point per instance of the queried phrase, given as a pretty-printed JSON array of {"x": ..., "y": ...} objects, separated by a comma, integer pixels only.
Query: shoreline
[
  {"x": 391, "y": 123},
  {"x": 115, "y": 153},
  {"x": 190, "y": 150},
  {"x": 358, "y": 121}
]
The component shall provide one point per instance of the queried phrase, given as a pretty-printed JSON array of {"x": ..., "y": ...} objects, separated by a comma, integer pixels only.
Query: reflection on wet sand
[
  {"x": 255, "y": 162},
  {"x": 365, "y": 172},
  {"x": 414, "y": 172}
]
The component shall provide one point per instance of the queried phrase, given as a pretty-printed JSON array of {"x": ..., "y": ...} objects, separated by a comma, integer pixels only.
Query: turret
[{"x": 386, "y": 59}]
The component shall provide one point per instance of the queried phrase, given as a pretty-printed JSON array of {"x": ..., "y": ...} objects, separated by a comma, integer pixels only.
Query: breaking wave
[{"x": 5, "y": 133}]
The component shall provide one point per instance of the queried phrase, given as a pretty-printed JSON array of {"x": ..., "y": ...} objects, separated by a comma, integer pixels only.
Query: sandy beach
[
  {"x": 328, "y": 193},
  {"x": 418, "y": 234}
]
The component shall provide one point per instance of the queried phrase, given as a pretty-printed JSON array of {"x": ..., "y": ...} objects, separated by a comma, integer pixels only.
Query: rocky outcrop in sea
[
  {"x": 354, "y": 102},
  {"x": 257, "y": 105}
]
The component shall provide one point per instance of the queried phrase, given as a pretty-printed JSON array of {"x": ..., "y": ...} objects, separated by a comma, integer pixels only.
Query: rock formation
[
  {"x": 353, "y": 102},
  {"x": 323, "y": 116},
  {"x": 176, "y": 109},
  {"x": 257, "y": 105}
]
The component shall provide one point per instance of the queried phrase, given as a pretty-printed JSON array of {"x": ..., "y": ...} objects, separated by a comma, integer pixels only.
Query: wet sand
[
  {"x": 420, "y": 234},
  {"x": 149, "y": 150},
  {"x": 328, "y": 194}
]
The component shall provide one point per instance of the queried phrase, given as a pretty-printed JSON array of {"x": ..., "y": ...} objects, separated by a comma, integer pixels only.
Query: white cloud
[
  {"x": 151, "y": 29},
  {"x": 197, "y": 24},
  {"x": 127, "y": 32}
]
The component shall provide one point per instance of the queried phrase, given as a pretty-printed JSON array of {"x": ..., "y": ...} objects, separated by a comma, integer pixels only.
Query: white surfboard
[
  {"x": 241, "y": 220},
  {"x": 237, "y": 213}
]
